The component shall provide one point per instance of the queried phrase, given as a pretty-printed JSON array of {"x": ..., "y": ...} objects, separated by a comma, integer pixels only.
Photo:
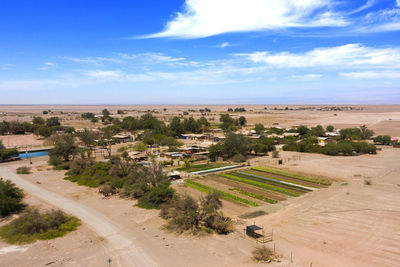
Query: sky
[{"x": 200, "y": 52}]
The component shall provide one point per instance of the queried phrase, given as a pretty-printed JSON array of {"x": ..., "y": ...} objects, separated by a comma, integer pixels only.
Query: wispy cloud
[
  {"x": 307, "y": 77},
  {"x": 224, "y": 44},
  {"x": 203, "y": 18},
  {"x": 384, "y": 20},
  {"x": 367, "y": 5},
  {"x": 94, "y": 60},
  {"x": 104, "y": 74},
  {"x": 346, "y": 56},
  {"x": 372, "y": 75}
]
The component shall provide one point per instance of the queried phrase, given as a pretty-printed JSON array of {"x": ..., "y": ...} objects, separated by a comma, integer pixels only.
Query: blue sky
[{"x": 200, "y": 52}]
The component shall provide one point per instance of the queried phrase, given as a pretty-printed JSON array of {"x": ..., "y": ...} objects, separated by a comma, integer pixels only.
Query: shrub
[
  {"x": 263, "y": 254},
  {"x": 23, "y": 170},
  {"x": 10, "y": 198},
  {"x": 367, "y": 182},
  {"x": 106, "y": 190},
  {"x": 238, "y": 158},
  {"x": 157, "y": 196},
  {"x": 222, "y": 225},
  {"x": 32, "y": 225},
  {"x": 185, "y": 214}
]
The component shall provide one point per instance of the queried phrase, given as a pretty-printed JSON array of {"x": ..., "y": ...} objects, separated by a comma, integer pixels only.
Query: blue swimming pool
[{"x": 33, "y": 154}]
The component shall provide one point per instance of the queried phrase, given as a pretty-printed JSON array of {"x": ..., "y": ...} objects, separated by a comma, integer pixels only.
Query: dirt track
[{"x": 123, "y": 250}]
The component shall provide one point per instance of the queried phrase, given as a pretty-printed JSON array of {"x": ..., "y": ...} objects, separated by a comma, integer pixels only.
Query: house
[
  {"x": 322, "y": 141},
  {"x": 123, "y": 138},
  {"x": 138, "y": 156},
  {"x": 332, "y": 134}
]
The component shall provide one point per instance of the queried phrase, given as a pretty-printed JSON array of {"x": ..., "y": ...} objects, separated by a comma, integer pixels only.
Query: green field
[
  {"x": 295, "y": 175},
  {"x": 223, "y": 194},
  {"x": 202, "y": 167}
]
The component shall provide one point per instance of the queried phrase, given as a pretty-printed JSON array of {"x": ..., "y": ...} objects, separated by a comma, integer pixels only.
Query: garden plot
[
  {"x": 246, "y": 187},
  {"x": 257, "y": 187}
]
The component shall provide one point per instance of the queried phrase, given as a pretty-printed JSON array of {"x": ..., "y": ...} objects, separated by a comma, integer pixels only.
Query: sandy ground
[
  {"x": 143, "y": 228},
  {"x": 22, "y": 141},
  {"x": 383, "y": 119},
  {"x": 348, "y": 224}
]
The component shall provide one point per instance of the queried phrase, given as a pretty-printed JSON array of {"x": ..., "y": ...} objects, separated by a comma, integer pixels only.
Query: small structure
[
  {"x": 174, "y": 175},
  {"x": 258, "y": 234},
  {"x": 123, "y": 138},
  {"x": 138, "y": 156}
]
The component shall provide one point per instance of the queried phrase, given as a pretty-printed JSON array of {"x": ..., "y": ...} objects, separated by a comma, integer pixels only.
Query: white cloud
[
  {"x": 49, "y": 63},
  {"x": 225, "y": 44},
  {"x": 94, "y": 60},
  {"x": 307, "y": 76},
  {"x": 346, "y": 56},
  {"x": 372, "y": 75},
  {"x": 384, "y": 20},
  {"x": 367, "y": 5},
  {"x": 104, "y": 74},
  {"x": 202, "y": 18},
  {"x": 398, "y": 2}
]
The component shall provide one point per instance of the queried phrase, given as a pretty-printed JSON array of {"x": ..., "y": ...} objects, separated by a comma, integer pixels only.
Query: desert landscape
[
  {"x": 349, "y": 223},
  {"x": 200, "y": 133}
]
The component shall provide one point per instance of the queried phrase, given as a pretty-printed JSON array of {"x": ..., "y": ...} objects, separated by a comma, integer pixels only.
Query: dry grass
[{"x": 264, "y": 254}]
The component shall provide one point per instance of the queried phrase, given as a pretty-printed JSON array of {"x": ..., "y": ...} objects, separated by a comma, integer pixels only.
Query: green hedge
[{"x": 224, "y": 195}]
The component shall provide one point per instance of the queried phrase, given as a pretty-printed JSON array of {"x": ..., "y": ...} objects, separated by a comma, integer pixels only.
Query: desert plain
[{"x": 347, "y": 224}]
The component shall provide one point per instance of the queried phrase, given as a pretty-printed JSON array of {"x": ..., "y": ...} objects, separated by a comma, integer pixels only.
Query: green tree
[
  {"x": 7, "y": 153},
  {"x": 330, "y": 128},
  {"x": 105, "y": 113},
  {"x": 10, "y": 198},
  {"x": 303, "y": 130},
  {"x": 242, "y": 121},
  {"x": 53, "y": 121},
  {"x": 317, "y": 131},
  {"x": 259, "y": 128},
  {"x": 88, "y": 137},
  {"x": 64, "y": 147}
]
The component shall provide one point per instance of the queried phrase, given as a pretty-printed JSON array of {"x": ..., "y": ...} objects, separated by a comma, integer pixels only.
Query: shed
[{"x": 252, "y": 230}]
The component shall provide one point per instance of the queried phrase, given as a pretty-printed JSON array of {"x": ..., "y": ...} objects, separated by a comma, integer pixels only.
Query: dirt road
[{"x": 122, "y": 250}]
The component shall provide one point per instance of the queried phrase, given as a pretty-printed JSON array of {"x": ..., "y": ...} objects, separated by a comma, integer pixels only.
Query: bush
[
  {"x": 6, "y": 153},
  {"x": 156, "y": 196},
  {"x": 32, "y": 225},
  {"x": 185, "y": 214},
  {"x": 23, "y": 170},
  {"x": 238, "y": 158},
  {"x": 222, "y": 225},
  {"x": 263, "y": 254},
  {"x": 10, "y": 198}
]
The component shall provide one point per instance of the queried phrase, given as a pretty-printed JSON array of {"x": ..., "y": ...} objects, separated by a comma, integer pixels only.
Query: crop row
[
  {"x": 290, "y": 188},
  {"x": 273, "y": 181},
  {"x": 223, "y": 195},
  {"x": 262, "y": 185},
  {"x": 304, "y": 177},
  {"x": 249, "y": 194}
]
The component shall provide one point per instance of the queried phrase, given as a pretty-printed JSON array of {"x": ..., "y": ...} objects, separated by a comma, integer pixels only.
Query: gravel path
[{"x": 122, "y": 250}]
